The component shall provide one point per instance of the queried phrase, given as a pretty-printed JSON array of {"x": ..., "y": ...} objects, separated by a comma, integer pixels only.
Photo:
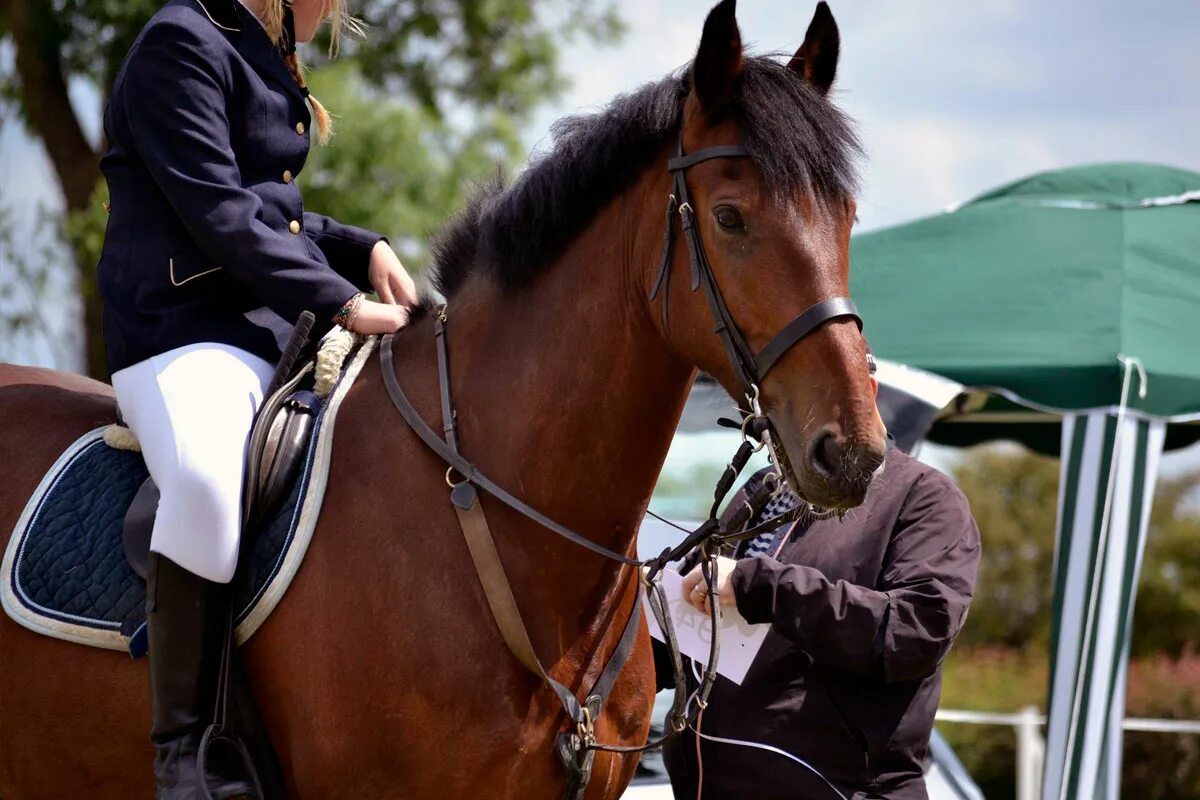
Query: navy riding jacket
[{"x": 207, "y": 236}]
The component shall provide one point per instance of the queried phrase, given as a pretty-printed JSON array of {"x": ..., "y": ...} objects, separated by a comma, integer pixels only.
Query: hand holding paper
[
  {"x": 740, "y": 640},
  {"x": 695, "y": 588}
]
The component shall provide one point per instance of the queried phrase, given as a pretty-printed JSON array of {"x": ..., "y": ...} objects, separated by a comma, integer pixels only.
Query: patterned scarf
[{"x": 767, "y": 542}]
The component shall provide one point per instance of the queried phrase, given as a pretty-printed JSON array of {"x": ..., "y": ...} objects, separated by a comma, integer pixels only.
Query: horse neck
[{"x": 567, "y": 395}]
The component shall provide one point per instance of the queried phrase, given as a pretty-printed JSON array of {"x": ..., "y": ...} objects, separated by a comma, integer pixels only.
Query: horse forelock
[{"x": 511, "y": 234}]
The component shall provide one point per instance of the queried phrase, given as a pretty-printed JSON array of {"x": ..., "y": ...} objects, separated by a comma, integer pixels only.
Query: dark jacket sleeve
[
  {"x": 175, "y": 105},
  {"x": 346, "y": 248},
  {"x": 905, "y": 626}
]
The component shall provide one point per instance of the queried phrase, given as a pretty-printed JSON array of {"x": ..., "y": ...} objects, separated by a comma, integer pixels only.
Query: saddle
[
  {"x": 75, "y": 565},
  {"x": 279, "y": 440}
]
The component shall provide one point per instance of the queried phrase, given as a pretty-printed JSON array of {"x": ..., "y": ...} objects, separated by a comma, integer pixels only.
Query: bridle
[
  {"x": 577, "y": 746},
  {"x": 750, "y": 369}
]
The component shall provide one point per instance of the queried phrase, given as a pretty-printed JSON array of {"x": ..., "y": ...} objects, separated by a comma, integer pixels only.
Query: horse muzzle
[{"x": 836, "y": 470}]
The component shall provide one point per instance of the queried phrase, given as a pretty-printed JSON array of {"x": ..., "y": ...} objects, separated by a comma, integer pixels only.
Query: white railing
[{"x": 1031, "y": 746}]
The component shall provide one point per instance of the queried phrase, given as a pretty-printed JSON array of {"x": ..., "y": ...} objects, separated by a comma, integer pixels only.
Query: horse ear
[
  {"x": 817, "y": 58},
  {"x": 718, "y": 63}
]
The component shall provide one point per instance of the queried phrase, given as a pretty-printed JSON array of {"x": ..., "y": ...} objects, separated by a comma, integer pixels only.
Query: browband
[{"x": 723, "y": 151}]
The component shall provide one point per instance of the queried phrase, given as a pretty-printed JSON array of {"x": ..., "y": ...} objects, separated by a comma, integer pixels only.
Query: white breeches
[{"x": 191, "y": 409}]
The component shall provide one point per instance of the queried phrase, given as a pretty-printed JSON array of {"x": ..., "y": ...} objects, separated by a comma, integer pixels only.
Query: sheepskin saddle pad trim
[{"x": 65, "y": 574}]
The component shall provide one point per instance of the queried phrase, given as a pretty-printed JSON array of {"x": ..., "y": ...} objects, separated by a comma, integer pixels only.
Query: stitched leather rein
[{"x": 577, "y": 747}]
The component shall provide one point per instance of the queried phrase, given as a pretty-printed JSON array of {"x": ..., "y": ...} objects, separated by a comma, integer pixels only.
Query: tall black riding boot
[{"x": 186, "y": 617}]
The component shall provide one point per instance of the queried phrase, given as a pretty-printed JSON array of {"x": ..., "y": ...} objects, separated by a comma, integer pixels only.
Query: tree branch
[{"x": 45, "y": 100}]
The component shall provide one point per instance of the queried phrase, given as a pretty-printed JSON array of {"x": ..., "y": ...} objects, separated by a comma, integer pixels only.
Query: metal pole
[{"x": 1031, "y": 752}]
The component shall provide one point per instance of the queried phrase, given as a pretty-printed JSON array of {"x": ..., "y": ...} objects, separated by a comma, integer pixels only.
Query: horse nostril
[{"x": 827, "y": 454}]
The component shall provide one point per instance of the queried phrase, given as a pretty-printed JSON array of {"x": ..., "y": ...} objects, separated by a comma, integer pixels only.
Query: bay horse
[{"x": 381, "y": 674}]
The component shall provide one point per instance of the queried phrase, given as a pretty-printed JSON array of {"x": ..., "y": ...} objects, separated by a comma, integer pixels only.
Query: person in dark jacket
[
  {"x": 209, "y": 259},
  {"x": 862, "y": 612}
]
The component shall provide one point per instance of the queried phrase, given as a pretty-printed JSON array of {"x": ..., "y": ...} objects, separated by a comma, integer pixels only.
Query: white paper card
[{"x": 740, "y": 640}]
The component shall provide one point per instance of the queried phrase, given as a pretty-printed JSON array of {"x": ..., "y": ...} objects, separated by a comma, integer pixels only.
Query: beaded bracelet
[
  {"x": 346, "y": 315},
  {"x": 354, "y": 311}
]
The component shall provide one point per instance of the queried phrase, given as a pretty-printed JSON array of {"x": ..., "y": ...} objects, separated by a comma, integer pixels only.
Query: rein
[{"x": 577, "y": 747}]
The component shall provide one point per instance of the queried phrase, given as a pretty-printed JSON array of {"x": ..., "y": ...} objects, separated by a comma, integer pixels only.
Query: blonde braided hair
[
  {"x": 320, "y": 115},
  {"x": 272, "y": 20}
]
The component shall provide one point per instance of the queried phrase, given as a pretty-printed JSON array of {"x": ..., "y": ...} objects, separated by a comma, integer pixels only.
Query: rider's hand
[
  {"x": 389, "y": 278},
  {"x": 695, "y": 589},
  {"x": 375, "y": 317}
]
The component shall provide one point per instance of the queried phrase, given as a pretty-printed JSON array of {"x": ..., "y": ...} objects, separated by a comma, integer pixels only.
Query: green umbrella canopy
[{"x": 1036, "y": 288}]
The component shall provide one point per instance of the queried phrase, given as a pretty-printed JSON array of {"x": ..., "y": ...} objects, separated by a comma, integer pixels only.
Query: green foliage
[
  {"x": 396, "y": 167},
  {"x": 485, "y": 55},
  {"x": 1155, "y": 766},
  {"x": 83, "y": 233},
  {"x": 991, "y": 679},
  {"x": 1014, "y": 499},
  {"x": 16, "y": 292},
  {"x": 93, "y": 36},
  {"x": 1159, "y": 766},
  {"x": 1168, "y": 601},
  {"x": 84, "y": 230},
  {"x": 25, "y": 286}
]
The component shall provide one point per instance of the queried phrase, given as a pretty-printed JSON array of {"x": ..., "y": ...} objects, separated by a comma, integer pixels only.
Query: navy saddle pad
[
  {"x": 71, "y": 567},
  {"x": 66, "y": 573}
]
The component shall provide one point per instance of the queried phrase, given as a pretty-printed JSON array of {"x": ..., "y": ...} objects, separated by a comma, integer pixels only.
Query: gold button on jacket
[
  {"x": 287, "y": 176},
  {"x": 294, "y": 226},
  {"x": 300, "y": 128}
]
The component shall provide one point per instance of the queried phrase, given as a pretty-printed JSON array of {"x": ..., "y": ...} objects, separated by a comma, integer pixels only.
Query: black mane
[{"x": 798, "y": 139}]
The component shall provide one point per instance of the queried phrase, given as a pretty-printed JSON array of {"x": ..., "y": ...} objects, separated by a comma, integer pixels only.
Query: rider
[{"x": 208, "y": 261}]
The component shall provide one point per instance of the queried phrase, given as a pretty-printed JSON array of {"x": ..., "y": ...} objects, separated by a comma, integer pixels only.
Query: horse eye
[{"x": 730, "y": 218}]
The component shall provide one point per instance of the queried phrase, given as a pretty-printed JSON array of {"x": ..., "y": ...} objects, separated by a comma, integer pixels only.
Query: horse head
[{"x": 774, "y": 221}]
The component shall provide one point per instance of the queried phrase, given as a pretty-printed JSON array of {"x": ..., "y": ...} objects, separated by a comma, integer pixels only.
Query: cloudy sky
[{"x": 952, "y": 98}]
